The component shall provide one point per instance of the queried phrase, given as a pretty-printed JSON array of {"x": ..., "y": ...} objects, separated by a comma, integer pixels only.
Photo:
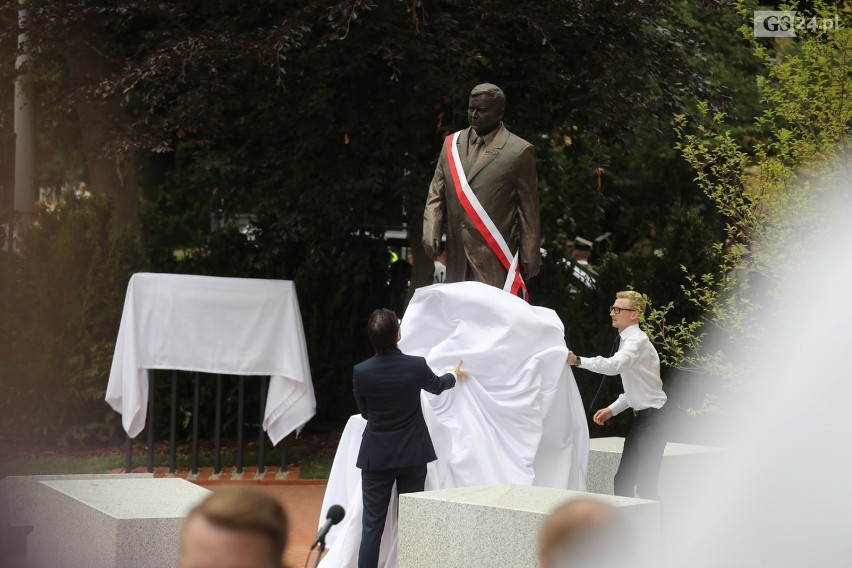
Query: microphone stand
[
  {"x": 320, "y": 550},
  {"x": 335, "y": 515}
]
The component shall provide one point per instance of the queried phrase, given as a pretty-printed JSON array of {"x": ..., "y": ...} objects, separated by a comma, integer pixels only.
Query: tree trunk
[
  {"x": 424, "y": 266},
  {"x": 113, "y": 175}
]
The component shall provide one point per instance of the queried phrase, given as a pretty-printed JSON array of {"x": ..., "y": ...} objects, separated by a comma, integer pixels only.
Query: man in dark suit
[
  {"x": 396, "y": 446},
  {"x": 500, "y": 169}
]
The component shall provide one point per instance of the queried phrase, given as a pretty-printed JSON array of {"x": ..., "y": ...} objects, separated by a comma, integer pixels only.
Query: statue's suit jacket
[
  {"x": 505, "y": 182},
  {"x": 387, "y": 390}
]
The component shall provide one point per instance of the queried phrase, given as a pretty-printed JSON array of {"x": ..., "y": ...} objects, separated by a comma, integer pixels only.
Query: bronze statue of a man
[{"x": 488, "y": 174}]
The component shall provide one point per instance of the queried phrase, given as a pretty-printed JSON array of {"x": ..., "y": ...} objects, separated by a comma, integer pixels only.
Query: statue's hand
[
  {"x": 431, "y": 247},
  {"x": 530, "y": 270}
]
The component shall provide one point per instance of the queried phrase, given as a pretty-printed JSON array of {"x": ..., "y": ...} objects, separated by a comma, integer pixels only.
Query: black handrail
[
  {"x": 220, "y": 416},
  {"x": 173, "y": 426}
]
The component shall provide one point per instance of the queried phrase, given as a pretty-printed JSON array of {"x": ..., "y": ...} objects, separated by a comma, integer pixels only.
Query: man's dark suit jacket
[{"x": 387, "y": 389}]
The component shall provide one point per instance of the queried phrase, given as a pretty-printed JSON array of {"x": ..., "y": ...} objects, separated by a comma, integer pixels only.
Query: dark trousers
[
  {"x": 642, "y": 456},
  {"x": 376, "y": 487}
]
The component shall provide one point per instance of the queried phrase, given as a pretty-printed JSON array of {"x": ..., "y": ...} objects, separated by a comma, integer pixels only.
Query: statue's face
[{"x": 483, "y": 114}]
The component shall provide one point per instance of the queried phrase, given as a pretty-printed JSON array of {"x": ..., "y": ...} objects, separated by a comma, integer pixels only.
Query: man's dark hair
[{"x": 382, "y": 329}]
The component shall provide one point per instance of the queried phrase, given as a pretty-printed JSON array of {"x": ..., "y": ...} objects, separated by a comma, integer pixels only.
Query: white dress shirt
[{"x": 639, "y": 366}]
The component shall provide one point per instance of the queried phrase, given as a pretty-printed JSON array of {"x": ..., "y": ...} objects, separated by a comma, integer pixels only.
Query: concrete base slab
[
  {"x": 680, "y": 461},
  {"x": 498, "y": 525},
  {"x": 17, "y": 494},
  {"x": 108, "y": 523}
]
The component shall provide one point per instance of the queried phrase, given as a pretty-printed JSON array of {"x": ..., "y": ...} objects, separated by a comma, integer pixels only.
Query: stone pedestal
[
  {"x": 17, "y": 508},
  {"x": 680, "y": 461},
  {"x": 498, "y": 525},
  {"x": 109, "y": 523},
  {"x": 17, "y": 491}
]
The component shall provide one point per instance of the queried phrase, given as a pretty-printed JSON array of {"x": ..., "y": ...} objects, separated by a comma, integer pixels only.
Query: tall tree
[
  {"x": 766, "y": 192},
  {"x": 353, "y": 82},
  {"x": 320, "y": 121}
]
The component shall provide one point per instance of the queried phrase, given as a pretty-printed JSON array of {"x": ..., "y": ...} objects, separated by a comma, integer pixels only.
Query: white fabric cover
[
  {"x": 517, "y": 418},
  {"x": 235, "y": 326}
]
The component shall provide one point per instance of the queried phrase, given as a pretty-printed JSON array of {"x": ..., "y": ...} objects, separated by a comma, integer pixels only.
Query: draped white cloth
[
  {"x": 517, "y": 418},
  {"x": 235, "y": 326}
]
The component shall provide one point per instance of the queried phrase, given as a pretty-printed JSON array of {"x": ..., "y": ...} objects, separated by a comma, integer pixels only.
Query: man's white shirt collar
[{"x": 630, "y": 330}]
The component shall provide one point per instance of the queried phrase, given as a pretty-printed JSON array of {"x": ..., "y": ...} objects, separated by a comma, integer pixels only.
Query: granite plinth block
[
  {"x": 109, "y": 523},
  {"x": 680, "y": 461},
  {"x": 498, "y": 525},
  {"x": 17, "y": 501},
  {"x": 16, "y": 494}
]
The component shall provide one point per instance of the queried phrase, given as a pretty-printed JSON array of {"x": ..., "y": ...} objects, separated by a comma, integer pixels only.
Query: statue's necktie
[{"x": 474, "y": 152}]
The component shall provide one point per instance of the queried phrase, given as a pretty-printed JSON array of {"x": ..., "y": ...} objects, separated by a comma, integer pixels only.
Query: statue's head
[{"x": 485, "y": 108}]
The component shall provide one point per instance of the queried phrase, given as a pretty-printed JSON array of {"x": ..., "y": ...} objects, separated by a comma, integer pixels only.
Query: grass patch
[
  {"x": 316, "y": 468},
  {"x": 60, "y": 465},
  {"x": 312, "y": 467},
  {"x": 312, "y": 453}
]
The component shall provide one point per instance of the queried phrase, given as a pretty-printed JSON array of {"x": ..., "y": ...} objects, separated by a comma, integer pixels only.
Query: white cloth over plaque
[
  {"x": 234, "y": 326},
  {"x": 517, "y": 418}
]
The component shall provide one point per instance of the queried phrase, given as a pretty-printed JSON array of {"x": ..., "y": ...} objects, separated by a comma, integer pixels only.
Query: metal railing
[{"x": 151, "y": 422}]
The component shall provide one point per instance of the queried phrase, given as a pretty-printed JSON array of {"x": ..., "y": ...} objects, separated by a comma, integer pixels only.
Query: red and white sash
[{"x": 483, "y": 222}]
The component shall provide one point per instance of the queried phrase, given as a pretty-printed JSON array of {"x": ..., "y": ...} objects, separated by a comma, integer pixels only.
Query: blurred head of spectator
[
  {"x": 235, "y": 527},
  {"x": 584, "y": 533}
]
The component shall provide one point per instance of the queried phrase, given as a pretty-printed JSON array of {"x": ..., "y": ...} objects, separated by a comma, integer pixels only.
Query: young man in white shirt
[{"x": 637, "y": 362}]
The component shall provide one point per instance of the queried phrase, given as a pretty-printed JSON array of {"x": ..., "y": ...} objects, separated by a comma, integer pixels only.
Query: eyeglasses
[{"x": 616, "y": 310}]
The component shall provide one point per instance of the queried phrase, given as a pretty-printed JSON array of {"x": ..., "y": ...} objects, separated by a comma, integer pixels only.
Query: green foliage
[
  {"x": 64, "y": 300},
  {"x": 593, "y": 185},
  {"x": 686, "y": 241},
  {"x": 327, "y": 122},
  {"x": 763, "y": 193},
  {"x": 61, "y": 160},
  {"x": 321, "y": 120}
]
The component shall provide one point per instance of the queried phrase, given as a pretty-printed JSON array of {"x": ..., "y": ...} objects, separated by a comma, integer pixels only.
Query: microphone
[{"x": 335, "y": 515}]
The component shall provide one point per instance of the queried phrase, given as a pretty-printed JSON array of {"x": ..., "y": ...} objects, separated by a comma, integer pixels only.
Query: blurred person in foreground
[
  {"x": 585, "y": 533},
  {"x": 638, "y": 363},
  {"x": 396, "y": 445},
  {"x": 235, "y": 527}
]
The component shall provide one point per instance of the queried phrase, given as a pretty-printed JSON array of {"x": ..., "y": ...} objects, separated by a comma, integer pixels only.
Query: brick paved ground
[
  {"x": 301, "y": 498},
  {"x": 302, "y": 503}
]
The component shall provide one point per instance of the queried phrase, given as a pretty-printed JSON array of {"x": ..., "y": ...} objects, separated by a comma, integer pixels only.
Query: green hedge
[{"x": 63, "y": 299}]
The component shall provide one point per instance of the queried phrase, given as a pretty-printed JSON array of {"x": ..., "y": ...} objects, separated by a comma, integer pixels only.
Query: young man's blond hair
[{"x": 637, "y": 300}]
